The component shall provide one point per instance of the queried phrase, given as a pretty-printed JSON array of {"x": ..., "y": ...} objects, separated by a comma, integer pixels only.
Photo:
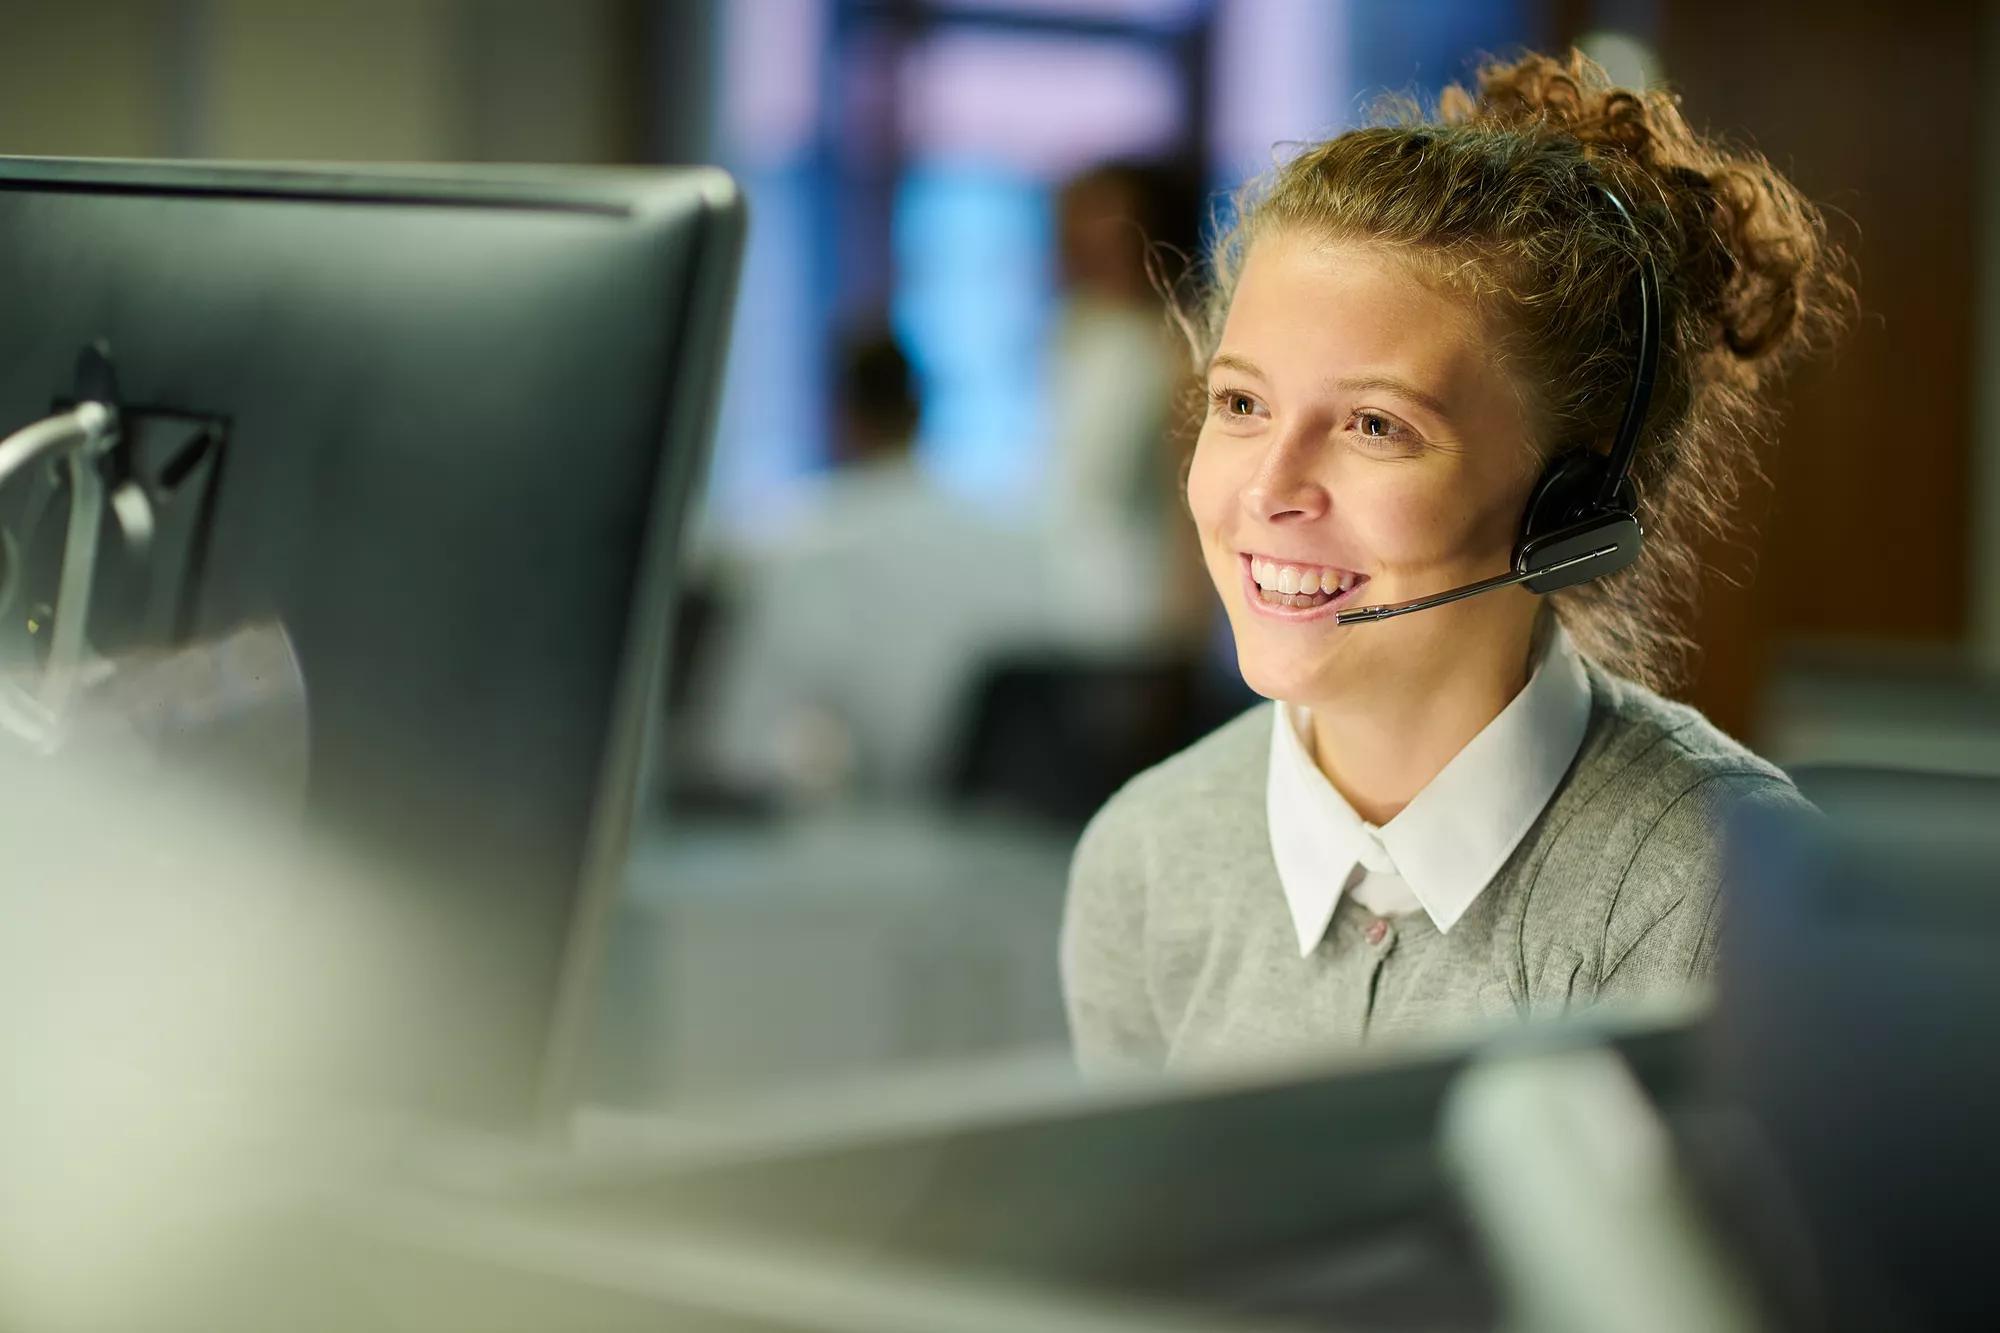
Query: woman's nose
[{"x": 1283, "y": 488}]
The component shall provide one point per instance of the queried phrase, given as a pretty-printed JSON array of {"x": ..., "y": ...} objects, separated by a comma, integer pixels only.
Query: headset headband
[{"x": 1627, "y": 443}]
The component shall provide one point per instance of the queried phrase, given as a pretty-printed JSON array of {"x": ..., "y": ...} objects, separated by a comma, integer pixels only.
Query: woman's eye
[
  {"x": 1375, "y": 426},
  {"x": 1233, "y": 402}
]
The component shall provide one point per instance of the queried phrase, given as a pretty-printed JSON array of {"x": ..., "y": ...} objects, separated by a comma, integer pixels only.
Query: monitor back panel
[{"x": 461, "y": 416}]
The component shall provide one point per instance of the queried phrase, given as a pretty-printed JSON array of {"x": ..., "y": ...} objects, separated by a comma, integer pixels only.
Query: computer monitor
[
  {"x": 441, "y": 425},
  {"x": 1857, "y": 1004}
]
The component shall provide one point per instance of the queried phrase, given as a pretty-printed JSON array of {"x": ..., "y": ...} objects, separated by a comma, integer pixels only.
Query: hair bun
[{"x": 1753, "y": 252}]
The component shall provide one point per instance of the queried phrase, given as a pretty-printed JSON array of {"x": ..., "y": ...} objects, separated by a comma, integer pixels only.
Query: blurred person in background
[
  {"x": 1117, "y": 383},
  {"x": 1480, "y": 810},
  {"x": 851, "y": 634},
  {"x": 1121, "y": 670}
]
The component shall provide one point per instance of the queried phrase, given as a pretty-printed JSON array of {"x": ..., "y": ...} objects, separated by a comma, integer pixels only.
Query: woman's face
[{"x": 1361, "y": 435}]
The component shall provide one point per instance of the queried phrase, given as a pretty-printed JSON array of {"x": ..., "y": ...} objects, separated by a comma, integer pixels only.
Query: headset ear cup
[
  {"x": 1564, "y": 504},
  {"x": 1565, "y": 494},
  {"x": 1597, "y": 546}
]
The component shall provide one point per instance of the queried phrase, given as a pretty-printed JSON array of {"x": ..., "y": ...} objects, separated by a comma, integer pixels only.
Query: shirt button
[{"x": 1378, "y": 930}]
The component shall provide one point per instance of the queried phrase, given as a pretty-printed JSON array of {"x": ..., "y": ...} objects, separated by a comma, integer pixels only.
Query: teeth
[{"x": 1291, "y": 581}]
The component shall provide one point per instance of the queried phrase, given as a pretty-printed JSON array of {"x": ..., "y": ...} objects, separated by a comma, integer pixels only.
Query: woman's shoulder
[
  {"x": 1198, "y": 798},
  {"x": 1644, "y": 750},
  {"x": 1632, "y": 853},
  {"x": 1150, "y": 852},
  {"x": 1226, "y": 765}
]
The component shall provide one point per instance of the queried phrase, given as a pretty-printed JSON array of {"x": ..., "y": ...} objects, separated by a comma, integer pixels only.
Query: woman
[{"x": 1479, "y": 809}]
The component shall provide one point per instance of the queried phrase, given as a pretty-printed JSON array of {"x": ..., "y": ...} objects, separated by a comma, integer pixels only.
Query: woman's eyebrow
[
  {"x": 1231, "y": 361},
  {"x": 1390, "y": 384}
]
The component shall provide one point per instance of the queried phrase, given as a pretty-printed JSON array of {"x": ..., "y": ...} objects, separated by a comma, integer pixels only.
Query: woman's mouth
[{"x": 1292, "y": 590}]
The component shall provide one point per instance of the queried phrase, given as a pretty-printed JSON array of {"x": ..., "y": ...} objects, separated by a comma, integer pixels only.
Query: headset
[{"x": 1582, "y": 518}]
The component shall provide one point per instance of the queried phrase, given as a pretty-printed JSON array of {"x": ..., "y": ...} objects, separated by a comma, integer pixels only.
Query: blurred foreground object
[
  {"x": 1808, "y": 1154},
  {"x": 193, "y": 990},
  {"x": 1859, "y": 1001},
  {"x": 1573, "y": 1179}
]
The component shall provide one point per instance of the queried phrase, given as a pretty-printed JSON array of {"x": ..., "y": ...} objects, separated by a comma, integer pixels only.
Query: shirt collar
[{"x": 1447, "y": 843}]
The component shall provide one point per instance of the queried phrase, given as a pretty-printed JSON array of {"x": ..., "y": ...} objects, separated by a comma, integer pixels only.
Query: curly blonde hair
[{"x": 1494, "y": 198}]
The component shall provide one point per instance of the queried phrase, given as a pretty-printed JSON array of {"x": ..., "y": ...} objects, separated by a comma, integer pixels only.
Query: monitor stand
[{"x": 104, "y": 516}]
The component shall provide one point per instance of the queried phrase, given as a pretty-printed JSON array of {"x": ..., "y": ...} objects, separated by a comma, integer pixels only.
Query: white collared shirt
[{"x": 1446, "y": 845}]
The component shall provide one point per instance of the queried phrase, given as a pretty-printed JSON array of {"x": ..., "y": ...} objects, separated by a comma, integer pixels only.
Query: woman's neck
[{"x": 1381, "y": 748}]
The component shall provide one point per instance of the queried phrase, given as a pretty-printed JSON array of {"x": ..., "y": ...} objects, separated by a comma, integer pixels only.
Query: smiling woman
[
  {"x": 1483, "y": 810},
  {"x": 1359, "y": 424}
]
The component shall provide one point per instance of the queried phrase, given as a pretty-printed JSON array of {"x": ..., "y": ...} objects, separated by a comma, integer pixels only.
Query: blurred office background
[{"x": 938, "y": 602}]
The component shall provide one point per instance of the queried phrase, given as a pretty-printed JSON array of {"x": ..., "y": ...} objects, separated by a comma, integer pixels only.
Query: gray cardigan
[{"x": 1177, "y": 949}]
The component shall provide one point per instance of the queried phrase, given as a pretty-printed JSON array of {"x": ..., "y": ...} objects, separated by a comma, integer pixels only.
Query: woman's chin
[
  {"x": 1300, "y": 663},
  {"x": 1293, "y": 682}
]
